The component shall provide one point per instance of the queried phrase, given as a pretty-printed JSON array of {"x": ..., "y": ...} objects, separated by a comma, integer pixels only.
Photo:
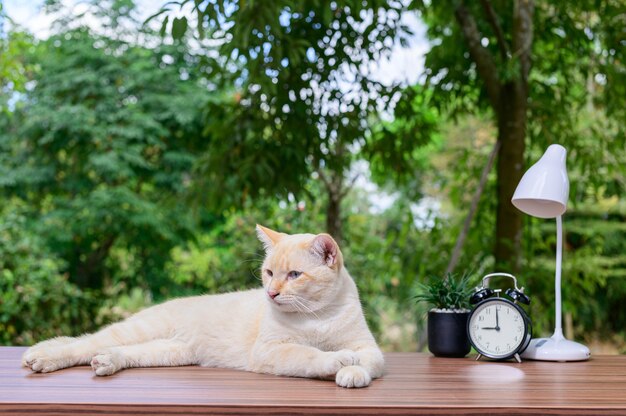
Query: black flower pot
[{"x": 447, "y": 334}]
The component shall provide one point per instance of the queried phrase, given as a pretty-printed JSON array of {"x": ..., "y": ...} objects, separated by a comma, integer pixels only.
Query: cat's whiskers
[
  {"x": 254, "y": 253},
  {"x": 302, "y": 302},
  {"x": 253, "y": 257},
  {"x": 299, "y": 310},
  {"x": 305, "y": 302},
  {"x": 289, "y": 300},
  {"x": 292, "y": 300},
  {"x": 256, "y": 276},
  {"x": 255, "y": 260}
]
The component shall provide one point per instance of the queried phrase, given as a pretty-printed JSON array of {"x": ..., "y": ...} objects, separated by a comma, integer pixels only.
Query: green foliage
[
  {"x": 110, "y": 135},
  {"x": 594, "y": 267},
  {"x": 399, "y": 151},
  {"x": 576, "y": 76},
  {"x": 119, "y": 302},
  {"x": 578, "y": 67},
  {"x": 15, "y": 46},
  {"x": 448, "y": 292},
  {"x": 36, "y": 299},
  {"x": 291, "y": 62},
  {"x": 222, "y": 259},
  {"x": 101, "y": 149}
]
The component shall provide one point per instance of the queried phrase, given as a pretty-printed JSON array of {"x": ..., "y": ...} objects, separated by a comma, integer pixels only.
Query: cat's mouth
[
  {"x": 281, "y": 301},
  {"x": 291, "y": 303},
  {"x": 276, "y": 300}
]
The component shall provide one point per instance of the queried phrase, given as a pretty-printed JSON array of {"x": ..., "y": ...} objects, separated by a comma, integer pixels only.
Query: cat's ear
[
  {"x": 325, "y": 247},
  {"x": 268, "y": 237}
]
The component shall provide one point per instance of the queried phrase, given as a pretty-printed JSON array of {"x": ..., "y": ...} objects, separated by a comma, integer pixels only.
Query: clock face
[{"x": 497, "y": 328}]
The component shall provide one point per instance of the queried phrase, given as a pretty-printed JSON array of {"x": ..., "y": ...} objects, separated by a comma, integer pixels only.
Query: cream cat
[{"x": 305, "y": 322}]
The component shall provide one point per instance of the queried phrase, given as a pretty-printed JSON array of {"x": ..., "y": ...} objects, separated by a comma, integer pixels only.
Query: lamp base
[{"x": 556, "y": 348}]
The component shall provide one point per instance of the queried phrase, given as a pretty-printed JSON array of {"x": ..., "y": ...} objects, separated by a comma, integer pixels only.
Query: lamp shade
[{"x": 544, "y": 188}]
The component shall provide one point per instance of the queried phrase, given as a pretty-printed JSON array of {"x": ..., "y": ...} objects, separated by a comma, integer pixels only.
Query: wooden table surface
[{"x": 413, "y": 384}]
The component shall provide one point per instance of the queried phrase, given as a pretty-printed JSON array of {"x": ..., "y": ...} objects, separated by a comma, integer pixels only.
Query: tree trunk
[
  {"x": 89, "y": 273},
  {"x": 509, "y": 99},
  {"x": 336, "y": 189},
  {"x": 510, "y": 168},
  {"x": 513, "y": 104},
  {"x": 458, "y": 247},
  {"x": 333, "y": 215}
]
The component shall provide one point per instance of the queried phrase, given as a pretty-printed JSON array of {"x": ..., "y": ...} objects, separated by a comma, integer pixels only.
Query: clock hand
[
  {"x": 497, "y": 322},
  {"x": 490, "y": 327}
]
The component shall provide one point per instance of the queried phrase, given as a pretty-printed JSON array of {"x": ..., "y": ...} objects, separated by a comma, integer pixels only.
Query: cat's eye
[
  {"x": 269, "y": 272},
  {"x": 293, "y": 274}
]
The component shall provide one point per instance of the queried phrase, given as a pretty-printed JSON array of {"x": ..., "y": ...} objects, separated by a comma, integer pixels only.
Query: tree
[
  {"x": 306, "y": 98},
  {"x": 528, "y": 63},
  {"x": 101, "y": 149},
  {"x": 36, "y": 299},
  {"x": 14, "y": 70}
]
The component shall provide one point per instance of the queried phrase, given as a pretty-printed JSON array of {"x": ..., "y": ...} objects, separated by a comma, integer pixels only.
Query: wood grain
[{"x": 413, "y": 384}]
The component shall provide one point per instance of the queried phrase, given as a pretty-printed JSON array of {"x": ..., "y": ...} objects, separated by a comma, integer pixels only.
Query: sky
[{"x": 404, "y": 64}]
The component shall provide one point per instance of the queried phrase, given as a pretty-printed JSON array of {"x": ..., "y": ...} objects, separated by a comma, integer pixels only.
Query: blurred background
[{"x": 140, "y": 143}]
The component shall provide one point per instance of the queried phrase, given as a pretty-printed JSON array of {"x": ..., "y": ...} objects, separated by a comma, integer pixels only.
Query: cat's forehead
[
  {"x": 291, "y": 250},
  {"x": 301, "y": 240}
]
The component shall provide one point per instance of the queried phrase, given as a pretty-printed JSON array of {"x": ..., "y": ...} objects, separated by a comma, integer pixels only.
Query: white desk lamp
[{"x": 543, "y": 192}]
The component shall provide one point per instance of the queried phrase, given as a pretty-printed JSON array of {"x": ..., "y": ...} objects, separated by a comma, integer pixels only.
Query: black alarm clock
[{"x": 498, "y": 328}]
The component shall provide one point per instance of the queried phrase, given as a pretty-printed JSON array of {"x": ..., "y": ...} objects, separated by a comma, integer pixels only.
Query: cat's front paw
[
  {"x": 44, "y": 360},
  {"x": 31, "y": 352},
  {"x": 106, "y": 364},
  {"x": 353, "y": 376},
  {"x": 337, "y": 360}
]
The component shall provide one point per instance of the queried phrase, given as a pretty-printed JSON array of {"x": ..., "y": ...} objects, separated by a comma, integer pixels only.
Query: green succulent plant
[{"x": 448, "y": 292}]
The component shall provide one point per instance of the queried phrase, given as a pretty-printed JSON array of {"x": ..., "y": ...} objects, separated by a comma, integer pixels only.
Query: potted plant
[{"x": 447, "y": 320}]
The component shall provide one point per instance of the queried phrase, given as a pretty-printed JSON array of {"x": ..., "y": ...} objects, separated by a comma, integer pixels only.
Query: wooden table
[{"x": 413, "y": 384}]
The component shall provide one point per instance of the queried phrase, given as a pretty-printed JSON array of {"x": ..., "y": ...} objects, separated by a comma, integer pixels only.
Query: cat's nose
[{"x": 272, "y": 293}]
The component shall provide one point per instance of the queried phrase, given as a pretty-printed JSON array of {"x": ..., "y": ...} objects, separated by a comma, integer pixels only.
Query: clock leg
[
  {"x": 517, "y": 358},
  {"x": 478, "y": 357}
]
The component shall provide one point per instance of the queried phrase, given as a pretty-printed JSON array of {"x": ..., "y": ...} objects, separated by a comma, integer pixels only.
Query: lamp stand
[{"x": 556, "y": 348}]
